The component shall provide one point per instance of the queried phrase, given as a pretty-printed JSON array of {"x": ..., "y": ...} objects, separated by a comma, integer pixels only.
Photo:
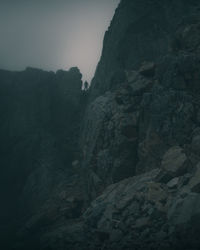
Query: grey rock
[
  {"x": 174, "y": 161},
  {"x": 173, "y": 183},
  {"x": 147, "y": 69},
  {"x": 196, "y": 144},
  {"x": 182, "y": 210},
  {"x": 194, "y": 182}
]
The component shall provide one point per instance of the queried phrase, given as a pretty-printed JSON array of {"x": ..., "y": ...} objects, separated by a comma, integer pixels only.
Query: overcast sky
[{"x": 53, "y": 34}]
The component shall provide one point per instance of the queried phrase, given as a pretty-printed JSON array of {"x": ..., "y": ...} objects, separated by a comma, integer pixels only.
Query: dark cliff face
[
  {"x": 124, "y": 172},
  {"x": 140, "y": 31},
  {"x": 148, "y": 68},
  {"x": 40, "y": 121}
]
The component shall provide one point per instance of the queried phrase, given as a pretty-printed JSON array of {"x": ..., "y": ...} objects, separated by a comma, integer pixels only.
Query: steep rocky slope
[
  {"x": 140, "y": 31},
  {"x": 143, "y": 121},
  {"x": 134, "y": 180},
  {"x": 147, "y": 108}
]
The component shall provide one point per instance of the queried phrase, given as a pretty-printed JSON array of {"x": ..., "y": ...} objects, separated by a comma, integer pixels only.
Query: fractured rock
[
  {"x": 147, "y": 69},
  {"x": 174, "y": 161}
]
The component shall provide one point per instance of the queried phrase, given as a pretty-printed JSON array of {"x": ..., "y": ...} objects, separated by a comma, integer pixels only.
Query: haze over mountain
[{"x": 53, "y": 34}]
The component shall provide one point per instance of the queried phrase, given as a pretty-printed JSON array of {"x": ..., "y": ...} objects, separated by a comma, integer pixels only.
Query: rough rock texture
[
  {"x": 134, "y": 180},
  {"x": 139, "y": 212},
  {"x": 151, "y": 103},
  {"x": 144, "y": 115},
  {"x": 141, "y": 30},
  {"x": 142, "y": 213}
]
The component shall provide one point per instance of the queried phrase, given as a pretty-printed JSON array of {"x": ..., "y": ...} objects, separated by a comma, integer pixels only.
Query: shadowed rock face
[
  {"x": 140, "y": 31},
  {"x": 40, "y": 118},
  {"x": 143, "y": 95},
  {"x": 128, "y": 177},
  {"x": 143, "y": 115}
]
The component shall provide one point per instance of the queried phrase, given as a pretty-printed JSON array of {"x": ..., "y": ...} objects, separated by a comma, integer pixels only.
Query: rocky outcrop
[
  {"x": 140, "y": 212},
  {"x": 142, "y": 116},
  {"x": 110, "y": 141},
  {"x": 150, "y": 103},
  {"x": 127, "y": 131},
  {"x": 141, "y": 31},
  {"x": 143, "y": 213}
]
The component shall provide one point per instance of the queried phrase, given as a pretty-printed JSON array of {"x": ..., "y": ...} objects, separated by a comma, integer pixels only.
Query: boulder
[
  {"x": 174, "y": 162},
  {"x": 147, "y": 69},
  {"x": 173, "y": 183}
]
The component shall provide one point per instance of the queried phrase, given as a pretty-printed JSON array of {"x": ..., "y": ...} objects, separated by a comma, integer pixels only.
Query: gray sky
[{"x": 53, "y": 34}]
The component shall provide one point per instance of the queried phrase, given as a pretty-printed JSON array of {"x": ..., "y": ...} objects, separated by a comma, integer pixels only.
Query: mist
[{"x": 53, "y": 35}]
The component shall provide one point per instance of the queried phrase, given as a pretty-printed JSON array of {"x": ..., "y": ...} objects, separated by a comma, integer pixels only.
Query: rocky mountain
[
  {"x": 140, "y": 31},
  {"x": 118, "y": 166}
]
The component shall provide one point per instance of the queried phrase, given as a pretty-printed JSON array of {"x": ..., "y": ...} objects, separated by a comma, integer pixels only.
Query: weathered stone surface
[
  {"x": 196, "y": 144},
  {"x": 194, "y": 183},
  {"x": 143, "y": 31},
  {"x": 174, "y": 161},
  {"x": 143, "y": 210},
  {"x": 183, "y": 209},
  {"x": 110, "y": 140},
  {"x": 147, "y": 69},
  {"x": 173, "y": 183}
]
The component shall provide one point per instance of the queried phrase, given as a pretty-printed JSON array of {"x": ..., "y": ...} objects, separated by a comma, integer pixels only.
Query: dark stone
[{"x": 147, "y": 69}]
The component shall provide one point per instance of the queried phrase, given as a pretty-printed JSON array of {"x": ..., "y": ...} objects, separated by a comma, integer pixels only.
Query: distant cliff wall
[{"x": 40, "y": 121}]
